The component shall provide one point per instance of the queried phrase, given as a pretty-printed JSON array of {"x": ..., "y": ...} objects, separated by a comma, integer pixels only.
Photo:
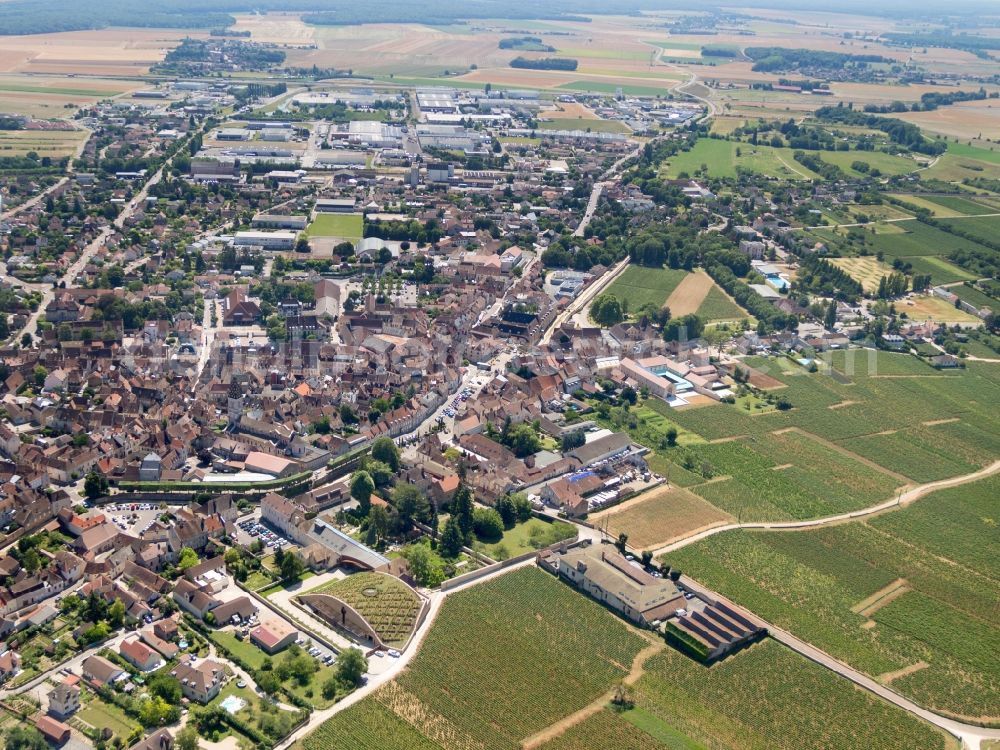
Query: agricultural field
[
  {"x": 919, "y": 239},
  {"x": 852, "y": 410},
  {"x": 717, "y": 306},
  {"x": 52, "y": 143},
  {"x": 754, "y": 701},
  {"x": 941, "y": 270},
  {"x": 866, "y": 269},
  {"x": 636, "y": 728},
  {"x": 986, "y": 228},
  {"x": 448, "y": 695},
  {"x": 390, "y": 606},
  {"x": 939, "y": 555},
  {"x": 887, "y": 164},
  {"x": 367, "y": 725},
  {"x": 641, "y": 286},
  {"x": 974, "y": 296},
  {"x": 348, "y": 226},
  {"x": 929, "y": 307},
  {"x": 786, "y": 475},
  {"x": 960, "y": 206},
  {"x": 659, "y": 516},
  {"x": 719, "y": 159}
]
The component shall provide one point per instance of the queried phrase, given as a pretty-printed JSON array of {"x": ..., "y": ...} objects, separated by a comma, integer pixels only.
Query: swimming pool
[
  {"x": 232, "y": 704},
  {"x": 776, "y": 281}
]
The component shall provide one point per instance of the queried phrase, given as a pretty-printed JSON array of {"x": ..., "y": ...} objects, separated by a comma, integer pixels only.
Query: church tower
[{"x": 234, "y": 403}]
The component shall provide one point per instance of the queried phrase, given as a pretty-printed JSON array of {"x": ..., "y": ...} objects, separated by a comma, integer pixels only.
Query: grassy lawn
[
  {"x": 525, "y": 537},
  {"x": 257, "y": 580},
  {"x": 100, "y": 714},
  {"x": 314, "y": 686},
  {"x": 349, "y": 226},
  {"x": 245, "y": 650},
  {"x": 283, "y": 585}
]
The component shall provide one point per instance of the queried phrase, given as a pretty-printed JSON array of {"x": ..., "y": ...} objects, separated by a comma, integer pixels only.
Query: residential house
[{"x": 200, "y": 681}]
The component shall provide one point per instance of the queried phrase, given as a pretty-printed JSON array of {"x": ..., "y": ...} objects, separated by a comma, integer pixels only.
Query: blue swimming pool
[{"x": 776, "y": 281}]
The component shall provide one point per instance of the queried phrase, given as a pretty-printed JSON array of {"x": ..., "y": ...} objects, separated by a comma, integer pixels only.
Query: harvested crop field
[
  {"x": 98, "y": 52},
  {"x": 660, "y": 516},
  {"x": 935, "y": 309},
  {"x": 690, "y": 293}
]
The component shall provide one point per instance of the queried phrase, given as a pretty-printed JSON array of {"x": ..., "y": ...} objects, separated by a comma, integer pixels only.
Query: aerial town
[{"x": 499, "y": 382}]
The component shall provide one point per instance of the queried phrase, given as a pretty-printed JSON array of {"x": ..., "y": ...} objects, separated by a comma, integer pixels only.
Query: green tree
[
  {"x": 24, "y": 737},
  {"x": 292, "y": 567},
  {"x": 187, "y": 738},
  {"x": 167, "y": 687},
  {"x": 830, "y": 318},
  {"x": 425, "y": 566},
  {"x": 461, "y": 510},
  {"x": 411, "y": 504},
  {"x": 386, "y": 451},
  {"x": 508, "y": 513},
  {"x": 522, "y": 439},
  {"x": 188, "y": 557},
  {"x": 95, "y": 485},
  {"x": 487, "y": 525},
  {"x": 381, "y": 473},
  {"x": 451, "y": 539},
  {"x": 351, "y": 667},
  {"x": 523, "y": 506},
  {"x": 116, "y": 614},
  {"x": 362, "y": 487}
]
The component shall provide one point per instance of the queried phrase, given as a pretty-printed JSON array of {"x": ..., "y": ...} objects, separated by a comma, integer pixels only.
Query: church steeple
[{"x": 234, "y": 402}]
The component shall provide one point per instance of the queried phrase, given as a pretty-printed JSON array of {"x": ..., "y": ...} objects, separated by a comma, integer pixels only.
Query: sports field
[{"x": 348, "y": 226}]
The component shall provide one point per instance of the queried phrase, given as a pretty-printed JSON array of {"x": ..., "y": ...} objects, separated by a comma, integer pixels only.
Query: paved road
[
  {"x": 31, "y": 326},
  {"x": 584, "y": 299},
  {"x": 904, "y": 499},
  {"x": 35, "y": 200}
]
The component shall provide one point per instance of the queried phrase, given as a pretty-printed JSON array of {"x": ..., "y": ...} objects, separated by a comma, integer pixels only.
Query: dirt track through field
[
  {"x": 596, "y": 706},
  {"x": 689, "y": 294}
]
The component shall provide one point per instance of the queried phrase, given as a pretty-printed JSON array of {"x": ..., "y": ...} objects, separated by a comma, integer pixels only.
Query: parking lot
[
  {"x": 133, "y": 518},
  {"x": 252, "y": 528}
]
